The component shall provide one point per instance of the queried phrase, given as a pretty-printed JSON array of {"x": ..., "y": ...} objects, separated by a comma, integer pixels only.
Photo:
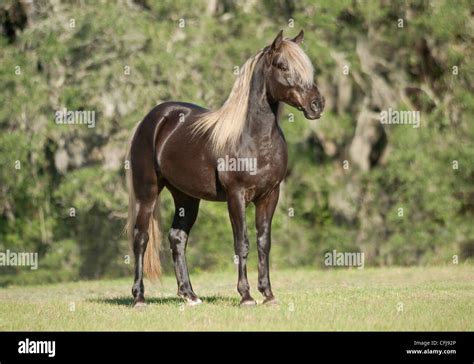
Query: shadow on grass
[{"x": 128, "y": 301}]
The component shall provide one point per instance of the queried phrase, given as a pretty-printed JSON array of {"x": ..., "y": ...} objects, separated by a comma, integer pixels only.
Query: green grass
[{"x": 433, "y": 298}]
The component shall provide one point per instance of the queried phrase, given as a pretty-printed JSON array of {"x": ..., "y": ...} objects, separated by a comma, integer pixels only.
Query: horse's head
[{"x": 289, "y": 76}]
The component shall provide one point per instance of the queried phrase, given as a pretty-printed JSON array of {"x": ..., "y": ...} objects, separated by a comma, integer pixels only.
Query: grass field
[{"x": 428, "y": 298}]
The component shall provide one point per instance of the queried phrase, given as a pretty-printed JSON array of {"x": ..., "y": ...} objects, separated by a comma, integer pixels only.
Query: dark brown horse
[{"x": 236, "y": 154}]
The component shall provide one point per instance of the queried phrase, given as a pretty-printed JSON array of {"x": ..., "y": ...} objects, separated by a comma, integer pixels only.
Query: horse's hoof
[
  {"x": 139, "y": 305},
  {"x": 271, "y": 301},
  {"x": 249, "y": 302},
  {"x": 194, "y": 302}
]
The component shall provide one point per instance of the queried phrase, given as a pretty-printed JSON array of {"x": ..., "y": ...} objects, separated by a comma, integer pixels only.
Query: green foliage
[{"x": 83, "y": 68}]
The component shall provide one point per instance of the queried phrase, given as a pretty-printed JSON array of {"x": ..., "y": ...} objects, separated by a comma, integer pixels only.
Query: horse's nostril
[{"x": 314, "y": 105}]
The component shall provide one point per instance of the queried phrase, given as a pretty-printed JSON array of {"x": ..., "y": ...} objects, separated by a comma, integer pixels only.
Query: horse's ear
[
  {"x": 277, "y": 42},
  {"x": 299, "y": 38}
]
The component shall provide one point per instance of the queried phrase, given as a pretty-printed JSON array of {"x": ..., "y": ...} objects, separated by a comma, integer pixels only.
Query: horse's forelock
[{"x": 298, "y": 63}]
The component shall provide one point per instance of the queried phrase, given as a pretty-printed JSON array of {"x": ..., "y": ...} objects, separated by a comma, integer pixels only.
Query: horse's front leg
[
  {"x": 265, "y": 208},
  {"x": 236, "y": 205}
]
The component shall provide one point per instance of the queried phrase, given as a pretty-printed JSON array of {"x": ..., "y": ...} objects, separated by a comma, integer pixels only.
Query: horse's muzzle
[{"x": 315, "y": 109}]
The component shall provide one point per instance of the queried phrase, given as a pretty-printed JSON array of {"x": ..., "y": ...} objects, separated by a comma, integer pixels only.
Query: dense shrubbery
[{"x": 354, "y": 208}]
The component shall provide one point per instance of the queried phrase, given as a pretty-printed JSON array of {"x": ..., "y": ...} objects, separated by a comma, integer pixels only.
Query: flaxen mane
[{"x": 226, "y": 124}]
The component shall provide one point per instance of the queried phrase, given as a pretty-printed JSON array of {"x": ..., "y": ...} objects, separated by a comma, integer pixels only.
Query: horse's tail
[{"x": 152, "y": 265}]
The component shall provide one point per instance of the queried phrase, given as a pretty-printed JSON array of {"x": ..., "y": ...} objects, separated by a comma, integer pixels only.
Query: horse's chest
[
  {"x": 272, "y": 162},
  {"x": 259, "y": 166}
]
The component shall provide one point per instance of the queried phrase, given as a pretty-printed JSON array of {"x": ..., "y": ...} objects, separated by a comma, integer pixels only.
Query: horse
[{"x": 180, "y": 145}]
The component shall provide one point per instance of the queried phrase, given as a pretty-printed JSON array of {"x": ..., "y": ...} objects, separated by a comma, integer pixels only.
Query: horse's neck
[{"x": 262, "y": 114}]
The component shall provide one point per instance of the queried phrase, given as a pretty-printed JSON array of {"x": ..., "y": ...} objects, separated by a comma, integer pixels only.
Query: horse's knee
[{"x": 242, "y": 248}]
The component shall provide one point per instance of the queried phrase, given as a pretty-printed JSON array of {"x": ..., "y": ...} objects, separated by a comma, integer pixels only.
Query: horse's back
[{"x": 174, "y": 111}]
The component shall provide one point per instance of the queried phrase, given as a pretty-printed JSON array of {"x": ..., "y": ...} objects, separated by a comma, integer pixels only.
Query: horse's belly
[{"x": 194, "y": 179}]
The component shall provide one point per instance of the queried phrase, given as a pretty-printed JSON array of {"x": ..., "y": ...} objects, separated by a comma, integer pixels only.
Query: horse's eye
[{"x": 281, "y": 66}]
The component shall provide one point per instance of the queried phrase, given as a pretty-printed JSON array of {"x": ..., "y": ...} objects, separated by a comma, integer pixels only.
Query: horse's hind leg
[
  {"x": 186, "y": 211},
  {"x": 145, "y": 203}
]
